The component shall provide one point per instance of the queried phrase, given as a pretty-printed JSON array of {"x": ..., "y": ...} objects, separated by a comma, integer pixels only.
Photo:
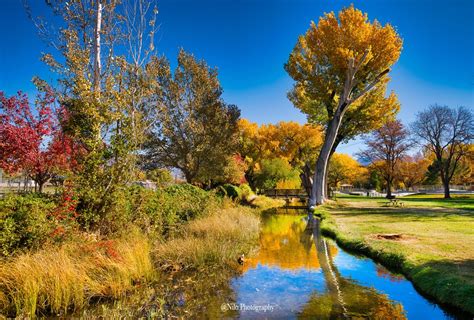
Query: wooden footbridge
[{"x": 288, "y": 195}]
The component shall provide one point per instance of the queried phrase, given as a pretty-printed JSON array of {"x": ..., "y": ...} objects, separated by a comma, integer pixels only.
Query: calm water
[{"x": 299, "y": 274}]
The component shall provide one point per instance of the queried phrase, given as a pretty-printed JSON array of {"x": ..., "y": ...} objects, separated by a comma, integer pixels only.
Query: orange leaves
[
  {"x": 320, "y": 60},
  {"x": 288, "y": 140},
  {"x": 350, "y": 35},
  {"x": 345, "y": 169},
  {"x": 413, "y": 170}
]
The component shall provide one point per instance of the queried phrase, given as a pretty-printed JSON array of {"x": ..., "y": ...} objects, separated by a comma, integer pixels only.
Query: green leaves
[{"x": 194, "y": 130}]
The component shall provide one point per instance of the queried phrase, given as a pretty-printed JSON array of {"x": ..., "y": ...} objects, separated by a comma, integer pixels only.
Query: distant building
[{"x": 346, "y": 187}]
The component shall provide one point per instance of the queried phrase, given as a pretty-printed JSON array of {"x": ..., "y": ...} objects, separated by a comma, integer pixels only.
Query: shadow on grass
[
  {"x": 465, "y": 201},
  {"x": 409, "y": 213},
  {"x": 462, "y": 202},
  {"x": 415, "y": 213}
]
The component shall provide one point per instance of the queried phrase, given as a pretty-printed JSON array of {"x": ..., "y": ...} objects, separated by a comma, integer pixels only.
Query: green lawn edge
[{"x": 444, "y": 288}]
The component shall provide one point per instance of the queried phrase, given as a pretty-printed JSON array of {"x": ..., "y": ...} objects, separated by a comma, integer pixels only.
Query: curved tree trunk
[
  {"x": 318, "y": 191},
  {"x": 306, "y": 180},
  {"x": 326, "y": 183},
  {"x": 333, "y": 150},
  {"x": 331, "y": 274}
]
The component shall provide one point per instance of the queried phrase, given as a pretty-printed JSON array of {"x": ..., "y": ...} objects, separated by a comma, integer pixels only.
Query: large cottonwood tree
[
  {"x": 413, "y": 170},
  {"x": 291, "y": 141},
  {"x": 340, "y": 67},
  {"x": 344, "y": 168}
]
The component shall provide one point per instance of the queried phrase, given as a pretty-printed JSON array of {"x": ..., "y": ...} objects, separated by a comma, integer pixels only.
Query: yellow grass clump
[
  {"x": 218, "y": 239},
  {"x": 58, "y": 280}
]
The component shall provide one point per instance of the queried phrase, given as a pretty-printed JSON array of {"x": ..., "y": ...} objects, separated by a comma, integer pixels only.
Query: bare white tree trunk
[{"x": 97, "y": 60}]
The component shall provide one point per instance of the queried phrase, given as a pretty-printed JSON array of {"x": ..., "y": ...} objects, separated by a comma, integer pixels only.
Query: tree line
[
  {"x": 445, "y": 137},
  {"x": 118, "y": 110}
]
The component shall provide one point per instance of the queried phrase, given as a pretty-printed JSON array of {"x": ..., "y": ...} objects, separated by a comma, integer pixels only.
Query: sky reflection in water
[{"x": 304, "y": 275}]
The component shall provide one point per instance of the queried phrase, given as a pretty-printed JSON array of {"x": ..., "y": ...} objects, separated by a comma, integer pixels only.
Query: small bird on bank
[{"x": 241, "y": 259}]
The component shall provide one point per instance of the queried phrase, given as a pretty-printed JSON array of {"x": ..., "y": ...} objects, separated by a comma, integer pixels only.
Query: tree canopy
[
  {"x": 290, "y": 141},
  {"x": 194, "y": 130},
  {"x": 344, "y": 169},
  {"x": 31, "y": 139},
  {"x": 276, "y": 172},
  {"x": 413, "y": 170}
]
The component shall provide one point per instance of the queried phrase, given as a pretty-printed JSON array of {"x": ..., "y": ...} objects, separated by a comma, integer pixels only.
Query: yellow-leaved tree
[
  {"x": 290, "y": 141},
  {"x": 340, "y": 67},
  {"x": 413, "y": 170},
  {"x": 344, "y": 169}
]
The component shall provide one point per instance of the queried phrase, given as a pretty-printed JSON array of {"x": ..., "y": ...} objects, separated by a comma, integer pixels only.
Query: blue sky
[{"x": 249, "y": 41}]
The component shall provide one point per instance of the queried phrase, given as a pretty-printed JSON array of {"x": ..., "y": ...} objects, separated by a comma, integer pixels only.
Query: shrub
[
  {"x": 274, "y": 170},
  {"x": 162, "y": 211},
  {"x": 24, "y": 222},
  {"x": 160, "y": 176},
  {"x": 189, "y": 201},
  {"x": 221, "y": 191},
  {"x": 232, "y": 191},
  {"x": 143, "y": 208},
  {"x": 246, "y": 191}
]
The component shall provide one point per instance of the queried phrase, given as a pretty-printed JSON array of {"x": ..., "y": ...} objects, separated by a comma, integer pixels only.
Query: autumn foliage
[
  {"x": 386, "y": 149},
  {"x": 340, "y": 68},
  {"x": 285, "y": 145},
  {"x": 344, "y": 169},
  {"x": 31, "y": 139}
]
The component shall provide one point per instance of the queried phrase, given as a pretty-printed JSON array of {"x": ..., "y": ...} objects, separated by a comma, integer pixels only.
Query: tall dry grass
[
  {"x": 62, "y": 280},
  {"x": 216, "y": 240},
  {"x": 58, "y": 280}
]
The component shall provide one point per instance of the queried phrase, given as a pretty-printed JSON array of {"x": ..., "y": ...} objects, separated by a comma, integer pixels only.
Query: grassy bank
[
  {"x": 157, "y": 250},
  {"x": 214, "y": 241},
  {"x": 193, "y": 269},
  {"x": 63, "y": 279},
  {"x": 429, "y": 240}
]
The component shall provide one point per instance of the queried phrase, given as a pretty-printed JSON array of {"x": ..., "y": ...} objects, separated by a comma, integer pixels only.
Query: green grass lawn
[
  {"x": 431, "y": 240},
  {"x": 457, "y": 201}
]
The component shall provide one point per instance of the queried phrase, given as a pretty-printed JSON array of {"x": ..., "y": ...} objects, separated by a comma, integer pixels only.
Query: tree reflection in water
[
  {"x": 290, "y": 246},
  {"x": 344, "y": 298}
]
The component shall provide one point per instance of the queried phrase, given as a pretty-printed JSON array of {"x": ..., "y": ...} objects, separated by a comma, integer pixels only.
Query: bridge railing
[{"x": 285, "y": 193}]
